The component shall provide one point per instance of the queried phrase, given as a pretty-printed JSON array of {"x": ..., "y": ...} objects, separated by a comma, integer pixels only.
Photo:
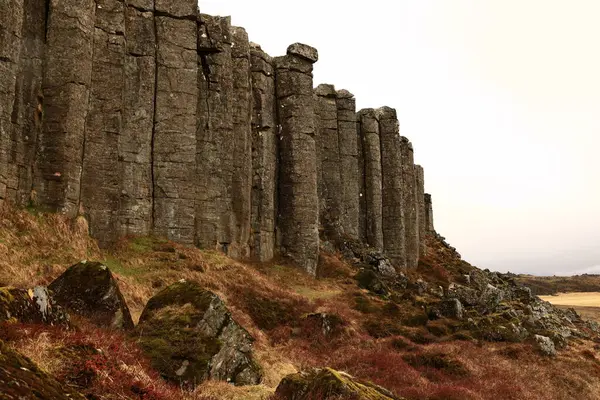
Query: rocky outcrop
[
  {"x": 31, "y": 306},
  {"x": 371, "y": 149},
  {"x": 150, "y": 118},
  {"x": 428, "y": 213},
  {"x": 89, "y": 289},
  {"x": 189, "y": 335},
  {"x": 349, "y": 168},
  {"x": 21, "y": 379},
  {"x": 298, "y": 213},
  {"x": 392, "y": 188},
  {"x": 330, "y": 184},
  {"x": 264, "y": 155},
  {"x": 328, "y": 383}
]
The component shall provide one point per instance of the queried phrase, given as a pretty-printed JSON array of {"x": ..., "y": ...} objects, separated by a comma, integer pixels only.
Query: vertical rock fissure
[{"x": 152, "y": 139}]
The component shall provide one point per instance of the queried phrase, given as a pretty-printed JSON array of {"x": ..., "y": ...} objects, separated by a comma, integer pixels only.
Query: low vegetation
[{"x": 389, "y": 342}]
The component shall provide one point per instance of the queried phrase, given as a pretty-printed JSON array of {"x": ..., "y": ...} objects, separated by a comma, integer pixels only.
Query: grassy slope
[{"x": 270, "y": 300}]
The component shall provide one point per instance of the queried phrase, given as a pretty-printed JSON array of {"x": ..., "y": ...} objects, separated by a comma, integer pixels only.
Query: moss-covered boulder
[
  {"x": 21, "y": 379},
  {"x": 30, "y": 306},
  {"x": 328, "y": 383},
  {"x": 190, "y": 336},
  {"x": 90, "y": 290}
]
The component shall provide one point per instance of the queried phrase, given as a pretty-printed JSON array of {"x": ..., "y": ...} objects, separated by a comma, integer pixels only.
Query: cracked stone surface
[
  {"x": 371, "y": 147},
  {"x": 298, "y": 213},
  {"x": 264, "y": 155},
  {"x": 393, "y": 213},
  {"x": 149, "y": 118},
  {"x": 409, "y": 200}
]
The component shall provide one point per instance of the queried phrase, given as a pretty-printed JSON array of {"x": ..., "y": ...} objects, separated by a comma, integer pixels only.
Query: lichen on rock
[
  {"x": 190, "y": 336},
  {"x": 328, "y": 383},
  {"x": 90, "y": 290},
  {"x": 32, "y": 306}
]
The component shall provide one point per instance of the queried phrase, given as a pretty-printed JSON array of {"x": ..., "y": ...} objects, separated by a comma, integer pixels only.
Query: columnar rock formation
[
  {"x": 394, "y": 185},
  {"x": 298, "y": 215},
  {"x": 371, "y": 155},
  {"x": 147, "y": 117}
]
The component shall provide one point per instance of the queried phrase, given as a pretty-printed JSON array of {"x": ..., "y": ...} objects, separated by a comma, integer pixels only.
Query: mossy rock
[
  {"x": 189, "y": 335},
  {"x": 328, "y": 383},
  {"x": 21, "y": 379},
  {"x": 90, "y": 290},
  {"x": 31, "y": 306}
]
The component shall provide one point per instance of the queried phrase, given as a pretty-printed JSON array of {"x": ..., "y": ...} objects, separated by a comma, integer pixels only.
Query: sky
[{"x": 500, "y": 98}]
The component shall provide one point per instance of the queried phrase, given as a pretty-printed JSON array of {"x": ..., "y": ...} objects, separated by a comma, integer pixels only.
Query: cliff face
[{"x": 148, "y": 117}]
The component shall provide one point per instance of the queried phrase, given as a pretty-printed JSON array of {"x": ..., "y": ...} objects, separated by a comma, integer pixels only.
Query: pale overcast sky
[{"x": 500, "y": 99}]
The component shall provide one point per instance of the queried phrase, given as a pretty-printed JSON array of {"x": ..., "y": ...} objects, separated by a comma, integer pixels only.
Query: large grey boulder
[
  {"x": 89, "y": 289},
  {"x": 190, "y": 336}
]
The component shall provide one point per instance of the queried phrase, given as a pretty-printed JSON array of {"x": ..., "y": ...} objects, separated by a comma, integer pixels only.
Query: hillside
[
  {"x": 386, "y": 338},
  {"x": 549, "y": 285}
]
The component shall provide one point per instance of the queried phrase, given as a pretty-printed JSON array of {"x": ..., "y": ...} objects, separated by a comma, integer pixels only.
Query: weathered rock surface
[
  {"x": 90, "y": 290},
  {"x": 371, "y": 148},
  {"x": 349, "y": 163},
  {"x": 330, "y": 183},
  {"x": 174, "y": 135},
  {"x": 298, "y": 211},
  {"x": 420, "y": 195},
  {"x": 393, "y": 187},
  {"x": 189, "y": 335},
  {"x": 545, "y": 345},
  {"x": 328, "y": 383},
  {"x": 215, "y": 135},
  {"x": 409, "y": 206},
  {"x": 149, "y": 118},
  {"x": 264, "y": 155},
  {"x": 32, "y": 306},
  {"x": 21, "y": 379}
]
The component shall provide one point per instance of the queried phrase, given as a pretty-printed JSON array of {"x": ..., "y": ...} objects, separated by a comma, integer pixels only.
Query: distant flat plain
[{"x": 587, "y": 304}]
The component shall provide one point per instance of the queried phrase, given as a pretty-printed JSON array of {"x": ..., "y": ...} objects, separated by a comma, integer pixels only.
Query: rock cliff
[{"x": 148, "y": 117}]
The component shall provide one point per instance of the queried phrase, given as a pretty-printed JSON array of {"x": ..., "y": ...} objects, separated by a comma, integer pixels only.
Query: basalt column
[
  {"x": 101, "y": 178},
  {"x": 348, "y": 150},
  {"x": 242, "y": 152},
  {"x": 428, "y": 214},
  {"x": 215, "y": 137},
  {"x": 393, "y": 224},
  {"x": 264, "y": 155},
  {"x": 26, "y": 114},
  {"x": 135, "y": 140},
  {"x": 11, "y": 17},
  {"x": 329, "y": 180},
  {"x": 174, "y": 136},
  {"x": 420, "y": 194},
  {"x": 371, "y": 148},
  {"x": 409, "y": 200},
  {"x": 298, "y": 214},
  {"x": 66, "y": 87}
]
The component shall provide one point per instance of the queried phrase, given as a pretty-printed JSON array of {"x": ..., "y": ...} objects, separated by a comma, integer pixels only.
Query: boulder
[
  {"x": 545, "y": 345},
  {"x": 90, "y": 290},
  {"x": 31, "y": 306},
  {"x": 370, "y": 280},
  {"x": 190, "y": 336},
  {"x": 328, "y": 383},
  {"x": 302, "y": 50},
  {"x": 21, "y": 379},
  {"x": 451, "y": 308}
]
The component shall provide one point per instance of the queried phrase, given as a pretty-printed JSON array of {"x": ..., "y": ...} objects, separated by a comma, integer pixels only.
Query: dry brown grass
[{"x": 35, "y": 248}]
